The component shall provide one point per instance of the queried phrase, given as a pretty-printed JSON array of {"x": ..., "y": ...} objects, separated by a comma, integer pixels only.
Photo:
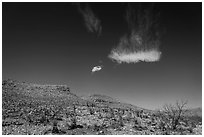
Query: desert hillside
[{"x": 53, "y": 109}]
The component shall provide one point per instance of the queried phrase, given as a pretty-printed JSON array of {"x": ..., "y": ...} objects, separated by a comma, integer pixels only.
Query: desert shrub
[
  {"x": 90, "y": 104},
  {"x": 116, "y": 123},
  {"x": 121, "y": 121},
  {"x": 141, "y": 113},
  {"x": 91, "y": 110},
  {"x": 139, "y": 125},
  {"x": 96, "y": 127},
  {"x": 55, "y": 129},
  {"x": 162, "y": 125},
  {"x": 172, "y": 114},
  {"x": 72, "y": 115},
  {"x": 73, "y": 124},
  {"x": 137, "y": 121},
  {"x": 100, "y": 116},
  {"x": 90, "y": 107},
  {"x": 192, "y": 124},
  {"x": 44, "y": 120},
  {"x": 190, "y": 129},
  {"x": 111, "y": 112}
]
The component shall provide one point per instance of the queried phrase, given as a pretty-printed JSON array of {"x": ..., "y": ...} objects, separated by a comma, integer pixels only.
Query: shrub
[
  {"x": 172, "y": 114},
  {"x": 120, "y": 121},
  {"x": 55, "y": 129},
  {"x": 91, "y": 110}
]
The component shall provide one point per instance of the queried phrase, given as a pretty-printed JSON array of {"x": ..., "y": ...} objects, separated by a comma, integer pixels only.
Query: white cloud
[
  {"x": 143, "y": 40},
  {"x": 96, "y": 68},
  {"x": 134, "y": 57}
]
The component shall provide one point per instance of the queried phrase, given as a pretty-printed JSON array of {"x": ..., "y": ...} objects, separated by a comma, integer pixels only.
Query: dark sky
[{"x": 48, "y": 43}]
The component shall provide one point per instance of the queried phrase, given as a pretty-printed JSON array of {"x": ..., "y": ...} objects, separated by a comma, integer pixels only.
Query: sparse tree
[{"x": 174, "y": 113}]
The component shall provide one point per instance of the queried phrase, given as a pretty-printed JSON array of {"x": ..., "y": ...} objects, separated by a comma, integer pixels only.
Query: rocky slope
[
  {"x": 52, "y": 109},
  {"x": 103, "y": 100}
]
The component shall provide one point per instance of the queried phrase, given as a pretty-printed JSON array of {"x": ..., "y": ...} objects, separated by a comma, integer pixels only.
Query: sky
[{"x": 144, "y": 54}]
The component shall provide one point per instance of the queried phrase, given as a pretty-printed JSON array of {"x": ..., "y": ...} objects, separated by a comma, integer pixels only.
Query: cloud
[
  {"x": 134, "y": 57},
  {"x": 96, "y": 68},
  {"x": 93, "y": 24},
  {"x": 143, "y": 40}
]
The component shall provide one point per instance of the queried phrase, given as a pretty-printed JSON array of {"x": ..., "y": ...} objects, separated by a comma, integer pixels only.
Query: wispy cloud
[
  {"x": 142, "y": 43},
  {"x": 92, "y": 22}
]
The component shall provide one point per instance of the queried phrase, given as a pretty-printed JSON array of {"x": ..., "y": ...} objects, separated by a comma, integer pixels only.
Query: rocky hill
[
  {"x": 103, "y": 100},
  {"x": 53, "y": 109}
]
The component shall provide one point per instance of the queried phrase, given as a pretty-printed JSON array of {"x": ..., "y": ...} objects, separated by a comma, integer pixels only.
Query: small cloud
[
  {"x": 96, "y": 68},
  {"x": 93, "y": 24}
]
